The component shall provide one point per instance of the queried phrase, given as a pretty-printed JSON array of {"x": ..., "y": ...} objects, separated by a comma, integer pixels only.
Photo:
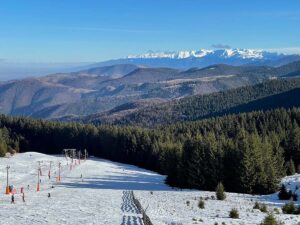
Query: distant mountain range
[
  {"x": 204, "y": 58},
  {"x": 177, "y": 60},
  {"x": 114, "y": 89}
]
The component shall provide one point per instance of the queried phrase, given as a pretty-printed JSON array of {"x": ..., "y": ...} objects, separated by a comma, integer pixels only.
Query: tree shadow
[
  {"x": 120, "y": 177},
  {"x": 126, "y": 182}
]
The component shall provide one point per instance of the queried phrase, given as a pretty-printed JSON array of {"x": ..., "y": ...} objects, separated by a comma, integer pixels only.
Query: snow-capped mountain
[
  {"x": 225, "y": 53},
  {"x": 202, "y": 58},
  {"x": 173, "y": 55}
]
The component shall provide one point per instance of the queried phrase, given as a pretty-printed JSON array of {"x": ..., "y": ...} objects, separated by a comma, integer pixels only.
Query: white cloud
[{"x": 222, "y": 46}]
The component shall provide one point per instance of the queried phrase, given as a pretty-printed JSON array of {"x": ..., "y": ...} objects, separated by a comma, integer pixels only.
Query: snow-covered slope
[
  {"x": 98, "y": 198},
  {"x": 101, "y": 196},
  {"x": 180, "y": 207}
]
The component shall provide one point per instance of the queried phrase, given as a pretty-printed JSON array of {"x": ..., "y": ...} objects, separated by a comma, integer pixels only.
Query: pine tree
[
  {"x": 3, "y": 145},
  {"x": 220, "y": 192},
  {"x": 283, "y": 194},
  {"x": 270, "y": 220},
  {"x": 273, "y": 166},
  {"x": 290, "y": 167},
  {"x": 293, "y": 148},
  {"x": 200, "y": 162},
  {"x": 194, "y": 162},
  {"x": 252, "y": 163},
  {"x": 278, "y": 154}
]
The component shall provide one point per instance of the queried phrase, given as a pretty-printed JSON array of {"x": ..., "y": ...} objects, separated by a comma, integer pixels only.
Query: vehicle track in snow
[{"x": 132, "y": 216}]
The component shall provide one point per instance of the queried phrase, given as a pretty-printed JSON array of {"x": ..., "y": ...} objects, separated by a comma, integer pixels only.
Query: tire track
[{"x": 132, "y": 216}]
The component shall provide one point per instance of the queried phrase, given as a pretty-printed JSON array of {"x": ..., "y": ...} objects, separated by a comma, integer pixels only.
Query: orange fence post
[
  {"x": 38, "y": 181},
  {"x": 59, "y": 172},
  {"x": 7, "y": 191}
]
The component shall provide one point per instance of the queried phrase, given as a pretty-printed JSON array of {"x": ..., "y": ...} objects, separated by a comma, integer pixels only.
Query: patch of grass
[
  {"x": 263, "y": 208},
  {"x": 288, "y": 208},
  {"x": 271, "y": 220},
  {"x": 256, "y": 205},
  {"x": 276, "y": 210},
  {"x": 201, "y": 204},
  {"x": 234, "y": 213}
]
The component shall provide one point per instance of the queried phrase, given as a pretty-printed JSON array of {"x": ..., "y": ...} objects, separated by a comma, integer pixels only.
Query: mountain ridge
[
  {"x": 102, "y": 89},
  {"x": 205, "y": 57},
  {"x": 226, "y": 53}
]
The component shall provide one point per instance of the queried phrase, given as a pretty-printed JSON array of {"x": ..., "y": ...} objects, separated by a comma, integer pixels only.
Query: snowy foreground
[{"x": 101, "y": 196}]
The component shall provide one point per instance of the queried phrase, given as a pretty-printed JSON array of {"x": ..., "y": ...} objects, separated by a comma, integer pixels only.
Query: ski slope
[
  {"x": 102, "y": 196},
  {"x": 98, "y": 198}
]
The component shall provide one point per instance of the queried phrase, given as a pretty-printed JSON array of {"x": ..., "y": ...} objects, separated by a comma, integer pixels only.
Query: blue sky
[{"x": 95, "y": 30}]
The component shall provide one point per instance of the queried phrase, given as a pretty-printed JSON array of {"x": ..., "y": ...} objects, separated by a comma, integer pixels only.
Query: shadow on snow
[
  {"x": 128, "y": 177},
  {"x": 135, "y": 182}
]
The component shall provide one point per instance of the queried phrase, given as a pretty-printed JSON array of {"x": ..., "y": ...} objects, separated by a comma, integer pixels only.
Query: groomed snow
[
  {"x": 102, "y": 196},
  {"x": 98, "y": 199}
]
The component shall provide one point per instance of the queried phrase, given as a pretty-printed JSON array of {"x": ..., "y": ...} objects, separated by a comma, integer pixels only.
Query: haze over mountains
[
  {"x": 114, "y": 88},
  {"x": 19, "y": 70}
]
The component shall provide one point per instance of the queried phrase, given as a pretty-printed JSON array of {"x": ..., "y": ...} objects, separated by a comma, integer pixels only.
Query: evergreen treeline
[
  {"x": 248, "y": 152},
  {"x": 8, "y": 142}
]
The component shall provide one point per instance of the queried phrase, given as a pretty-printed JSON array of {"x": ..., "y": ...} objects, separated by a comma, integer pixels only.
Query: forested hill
[
  {"x": 248, "y": 152},
  {"x": 192, "y": 108},
  {"x": 288, "y": 99}
]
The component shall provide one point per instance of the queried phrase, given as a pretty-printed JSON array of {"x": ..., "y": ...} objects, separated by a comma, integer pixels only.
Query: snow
[
  {"x": 103, "y": 196},
  {"x": 98, "y": 199},
  {"x": 173, "y": 55},
  {"x": 170, "y": 207},
  {"x": 291, "y": 183},
  {"x": 224, "y": 53}
]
